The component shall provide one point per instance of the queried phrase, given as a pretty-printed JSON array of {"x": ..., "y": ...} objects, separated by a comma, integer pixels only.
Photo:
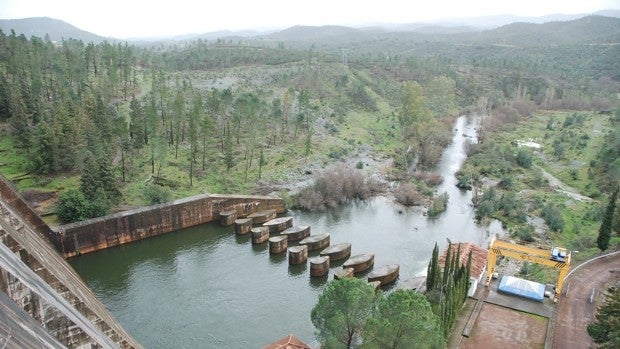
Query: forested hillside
[{"x": 110, "y": 125}]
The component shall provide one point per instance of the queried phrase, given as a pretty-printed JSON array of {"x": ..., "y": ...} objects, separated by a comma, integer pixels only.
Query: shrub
[
  {"x": 487, "y": 205},
  {"x": 72, "y": 206},
  {"x": 524, "y": 159},
  {"x": 524, "y": 233},
  {"x": 440, "y": 204},
  {"x": 464, "y": 180},
  {"x": 525, "y": 269},
  {"x": 538, "y": 181},
  {"x": 156, "y": 194},
  {"x": 506, "y": 182},
  {"x": 430, "y": 178},
  {"x": 583, "y": 241},
  {"x": 334, "y": 187},
  {"x": 359, "y": 165},
  {"x": 408, "y": 195},
  {"x": 553, "y": 217},
  {"x": 434, "y": 179}
]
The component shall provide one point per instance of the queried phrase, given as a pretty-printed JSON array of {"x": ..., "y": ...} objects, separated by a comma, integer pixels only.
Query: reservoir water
[{"x": 205, "y": 287}]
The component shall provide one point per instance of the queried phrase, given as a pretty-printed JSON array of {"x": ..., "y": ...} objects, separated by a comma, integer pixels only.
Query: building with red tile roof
[{"x": 288, "y": 342}]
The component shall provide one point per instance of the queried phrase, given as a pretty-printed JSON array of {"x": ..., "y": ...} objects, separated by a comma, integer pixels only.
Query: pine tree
[
  {"x": 261, "y": 162},
  {"x": 89, "y": 180},
  {"x": 195, "y": 115},
  {"x": 604, "y": 233},
  {"x": 44, "y": 156},
  {"x": 228, "y": 150},
  {"x": 137, "y": 124}
]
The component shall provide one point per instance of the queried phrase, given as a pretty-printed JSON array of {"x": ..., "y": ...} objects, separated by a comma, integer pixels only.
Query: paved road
[{"x": 575, "y": 310}]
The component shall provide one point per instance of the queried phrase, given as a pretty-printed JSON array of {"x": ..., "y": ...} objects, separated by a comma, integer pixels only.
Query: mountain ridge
[
  {"x": 550, "y": 25},
  {"x": 56, "y": 29}
]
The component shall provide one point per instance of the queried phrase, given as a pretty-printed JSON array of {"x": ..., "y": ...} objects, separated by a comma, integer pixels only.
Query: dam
[{"x": 45, "y": 303}]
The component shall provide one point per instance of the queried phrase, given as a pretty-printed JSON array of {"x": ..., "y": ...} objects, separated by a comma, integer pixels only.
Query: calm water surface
[{"x": 205, "y": 287}]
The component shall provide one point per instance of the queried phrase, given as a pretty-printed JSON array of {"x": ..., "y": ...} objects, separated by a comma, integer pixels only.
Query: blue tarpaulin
[{"x": 522, "y": 288}]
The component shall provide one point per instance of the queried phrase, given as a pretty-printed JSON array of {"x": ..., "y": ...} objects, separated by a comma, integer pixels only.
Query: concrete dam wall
[
  {"x": 123, "y": 227},
  {"x": 44, "y": 303}
]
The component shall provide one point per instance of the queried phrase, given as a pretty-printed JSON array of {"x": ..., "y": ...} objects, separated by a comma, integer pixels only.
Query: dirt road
[
  {"x": 575, "y": 310},
  {"x": 559, "y": 186}
]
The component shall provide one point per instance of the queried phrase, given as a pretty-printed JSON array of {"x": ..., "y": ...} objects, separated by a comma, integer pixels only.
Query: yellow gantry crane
[{"x": 556, "y": 258}]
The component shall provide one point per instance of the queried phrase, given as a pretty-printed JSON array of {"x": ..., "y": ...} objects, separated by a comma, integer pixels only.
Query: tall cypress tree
[
  {"x": 447, "y": 263},
  {"x": 604, "y": 233},
  {"x": 433, "y": 274}
]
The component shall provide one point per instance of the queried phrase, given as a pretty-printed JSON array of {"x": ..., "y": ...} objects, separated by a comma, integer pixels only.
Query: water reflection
[
  {"x": 277, "y": 258},
  {"x": 317, "y": 282},
  {"x": 260, "y": 248},
  {"x": 297, "y": 270}
]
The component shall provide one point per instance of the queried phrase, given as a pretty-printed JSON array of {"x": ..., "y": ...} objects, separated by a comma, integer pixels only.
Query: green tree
[
  {"x": 229, "y": 157},
  {"x": 45, "y": 155},
  {"x": 404, "y": 320},
  {"x": 137, "y": 124},
  {"x": 447, "y": 296},
  {"x": 413, "y": 110},
  {"x": 276, "y": 118},
  {"x": 178, "y": 111},
  {"x": 206, "y": 126},
  {"x": 553, "y": 217},
  {"x": 605, "y": 330},
  {"x": 433, "y": 274},
  {"x": 100, "y": 205},
  {"x": 341, "y": 311},
  {"x": 604, "y": 232},
  {"x": 261, "y": 162},
  {"x": 72, "y": 206},
  {"x": 89, "y": 179},
  {"x": 98, "y": 184},
  {"x": 195, "y": 117},
  {"x": 524, "y": 158}
]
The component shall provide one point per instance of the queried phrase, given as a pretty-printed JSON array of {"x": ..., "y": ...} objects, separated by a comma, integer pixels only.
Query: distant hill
[
  {"x": 590, "y": 29},
  {"x": 310, "y": 33},
  {"x": 603, "y": 27},
  {"x": 608, "y": 13},
  {"x": 56, "y": 29}
]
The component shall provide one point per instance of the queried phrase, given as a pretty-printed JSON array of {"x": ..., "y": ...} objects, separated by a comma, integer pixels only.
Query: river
[{"x": 206, "y": 287}]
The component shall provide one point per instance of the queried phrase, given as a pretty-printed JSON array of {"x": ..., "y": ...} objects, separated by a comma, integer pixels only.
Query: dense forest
[{"x": 105, "y": 126}]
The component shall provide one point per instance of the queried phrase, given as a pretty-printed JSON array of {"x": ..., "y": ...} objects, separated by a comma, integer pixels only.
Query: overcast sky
[{"x": 150, "y": 18}]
